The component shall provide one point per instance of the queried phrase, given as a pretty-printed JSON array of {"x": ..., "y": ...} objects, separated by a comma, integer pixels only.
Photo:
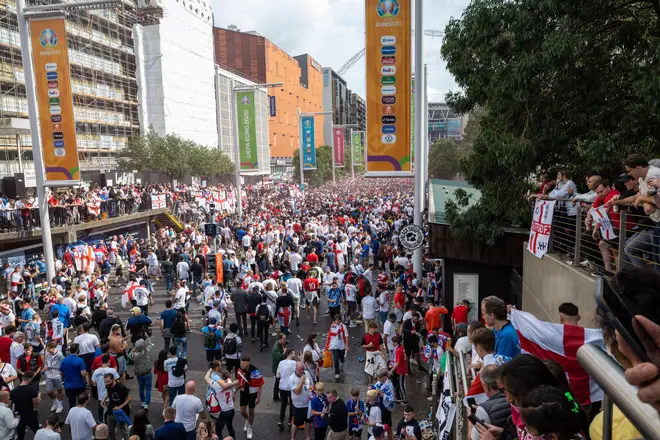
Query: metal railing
[
  {"x": 610, "y": 377},
  {"x": 636, "y": 238}
]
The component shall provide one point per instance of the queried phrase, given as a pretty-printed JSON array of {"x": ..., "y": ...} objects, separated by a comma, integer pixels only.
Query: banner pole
[
  {"x": 419, "y": 132},
  {"x": 332, "y": 145},
  {"x": 46, "y": 238},
  {"x": 237, "y": 153},
  {"x": 352, "y": 156},
  {"x": 300, "y": 149}
]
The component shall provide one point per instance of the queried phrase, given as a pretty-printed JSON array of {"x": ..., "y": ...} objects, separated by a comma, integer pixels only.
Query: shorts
[
  {"x": 386, "y": 416},
  {"x": 411, "y": 349},
  {"x": 250, "y": 399},
  {"x": 232, "y": 364},
  {"x": 399, "y": 315},
  {"x": 213, "y": 355},
  {"x": 351, "y": 307},
  {"x": 299, "y": 417},
  {"x": 53, "y": 384},
  {"x": 312, "y": 299},
  {"x": 355, "y": 433}
]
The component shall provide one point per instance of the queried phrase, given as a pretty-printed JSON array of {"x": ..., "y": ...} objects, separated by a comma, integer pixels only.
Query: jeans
[
  {"x": 226, "y": 418},
  {"x": 144, "y": 382},
  {"x": 184, "y": 346},
  {"x": 31, "y": 421},
  {"x": 241, "y": 321},
  {"x": 169, "y": 283},
  {"x": 262, "y": 331},
  {"x": 337, "y": 356},
  {"x": 285, "y": 397},
  {"x": 637, "y": 245},
  {"x": 175, "y": 391},
  {"x": 253, "y": 324},
  {"x": 72, "y": 394},
  {"x": 112, "y": 425},
  {"x": 383, "y": 317},
  {"x": 167, "y": 337}
]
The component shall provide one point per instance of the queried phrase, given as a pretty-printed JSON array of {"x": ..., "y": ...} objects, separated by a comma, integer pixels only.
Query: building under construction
[{"x": 103, "y": 80}]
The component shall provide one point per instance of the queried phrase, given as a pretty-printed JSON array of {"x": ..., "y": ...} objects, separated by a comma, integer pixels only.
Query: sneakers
[
  {"x": 245, "y": 428},
  {"x": 53, "y": 407},
  {"x": 253, "y": 340},
  {"x": 249, "y": 433},
  {"x": 60, "y": 408},
  {"x": 280, "y": 425},
  {"x": 262, "y": 347},
  {"x": 145, "y": 406},
  {"x": 336, "y": 376}
]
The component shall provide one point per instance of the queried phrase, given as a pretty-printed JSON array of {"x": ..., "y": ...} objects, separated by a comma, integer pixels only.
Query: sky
[{"x": 332, "y": 31}]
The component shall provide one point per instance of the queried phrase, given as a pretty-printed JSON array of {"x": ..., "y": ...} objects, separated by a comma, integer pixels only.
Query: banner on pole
[
  {"x": 309, "y": 148},
  {"x": 338, "y": 147},
  {"x": 539, "y": 235},
  {"x": 247, "y": 130},
  {"x": 599, "y": 215},
  {"x": 273, "y": 107},
  {"x": 219, "y": 274},
  {"x": 357, "y": 147},
  {"x": 50, "y": 59},
  {"x": 388, "y": 53}
]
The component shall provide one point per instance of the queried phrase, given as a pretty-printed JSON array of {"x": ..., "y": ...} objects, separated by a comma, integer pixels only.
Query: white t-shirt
[
  {"x": 285, "y": 369},
  {"x": 389, "y": 331},
  {"x": 247, "y": 240},
  {"x": 16, "y": 350},
  {"x": 351, "y": 292},
  {"x": 7, "y": 371},
  {"x": 187, "y": 409},
  {"x": 5, "y": 320},
  {"x": 295, "y": 286},
  {"x": 141, "y": 296},
  {"x": 180, "y": 298},
  {"x": 182, "y": 269},
  {"x": 403, "y": 261},
  {"x": 173, "y": 381},
  {"x": 88, "y": 343},
  {"x": 97, "y": 377},
  {"x": 463, "y": 344},
  {"x": 384, "y": 302},
  {"x": 301, "y": 400},
  {"x": 369, "y": 306},
  {"x": 225, "y": 396},
  {"x": 81, "y": 421},
  {"x": 295, "y": 260}
]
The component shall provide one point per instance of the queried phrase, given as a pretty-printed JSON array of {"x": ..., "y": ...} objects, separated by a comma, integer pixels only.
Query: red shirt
[
  {"x": 400, "y": 359},
  {"x": 460, "y": 314},
  {"x": 375, "y": 338},
  {"x": 310, "y": 284},
  {"x": 433, "y": 318},
  {"x": 313, "y": 258},
  {"x": 297, "y": 228},
  {"x": 98, "y": 362},
  {"x": 5, "y": 343},
  {"x": 399, "y": 300}
]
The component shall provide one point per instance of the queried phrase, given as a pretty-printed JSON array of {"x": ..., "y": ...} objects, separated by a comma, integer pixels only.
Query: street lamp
[
  {"x": 24, "y": 14},
  {"x": 351, "y": 126},
  {"x": 420, "y": 160},
  {"x": 237, "y": 150},
  {"x": 300, "y": 143}
]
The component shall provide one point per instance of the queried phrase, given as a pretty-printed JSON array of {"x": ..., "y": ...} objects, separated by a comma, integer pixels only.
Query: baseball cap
[
  {"x": 101, "y": 431},
  {"x": 624, "y": 177}
]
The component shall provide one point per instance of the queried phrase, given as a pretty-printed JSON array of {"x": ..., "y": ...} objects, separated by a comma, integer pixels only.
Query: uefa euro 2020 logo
[
  {"x": 245, "y": 100},
  {"x": 388, "y": 8},
  {"x": 48, "y": 38}
]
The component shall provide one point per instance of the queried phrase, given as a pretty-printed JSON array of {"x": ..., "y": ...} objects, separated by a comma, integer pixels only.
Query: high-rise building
[
  {"x": 260, "y": 60},
  {"x": 444, "y": 123},
  {"x": 176, "y": 71},
  {"x": 336, "y": 99},
  {"x": 358, "y": 112},
  {"x": 225, "y": 82},
  {"x": 103, "y": 80}
]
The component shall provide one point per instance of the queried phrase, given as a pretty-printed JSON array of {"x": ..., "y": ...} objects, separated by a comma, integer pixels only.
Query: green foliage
[
  {"x": 569, "y": 84},
  {"x": 174, "y": 156},
  {"x": 323, "y": 172},
  {"x": 445, "y": 159}
]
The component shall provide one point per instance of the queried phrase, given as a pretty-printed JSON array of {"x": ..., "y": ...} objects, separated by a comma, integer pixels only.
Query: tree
[
  {"x": 323, "y": 172},
  {"x": 174, "y": 156},
  {"x": 570, "y": 84},
  {"x": 445, "y": 159}
]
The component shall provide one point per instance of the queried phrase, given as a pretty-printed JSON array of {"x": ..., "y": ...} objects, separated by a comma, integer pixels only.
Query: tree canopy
[
  {"x": 568, "y": 84},
  {"x": 445, "y": 159},
  {"x": 323, "y": 171},
  {"x": 174, "y": 156}
]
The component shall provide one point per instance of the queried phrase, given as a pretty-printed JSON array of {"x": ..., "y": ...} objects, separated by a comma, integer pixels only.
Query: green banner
[
  {"x": 247, "y": 130},
  {"x": 357, "y": 147}
]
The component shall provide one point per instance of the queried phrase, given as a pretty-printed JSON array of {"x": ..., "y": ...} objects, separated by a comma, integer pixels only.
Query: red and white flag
[
  {"x": 604, "y": 223},
  {"x": 129, "y": 294},
  {"x": 560, "y": 343},
  {"x": 94, "y": 208}
]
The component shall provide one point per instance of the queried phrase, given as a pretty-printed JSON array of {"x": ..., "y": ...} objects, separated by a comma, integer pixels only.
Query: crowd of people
[{"x": 333, "y": 252}]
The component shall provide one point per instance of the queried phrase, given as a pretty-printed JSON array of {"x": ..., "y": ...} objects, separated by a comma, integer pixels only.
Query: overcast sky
[{"x": 332, "y": 31}]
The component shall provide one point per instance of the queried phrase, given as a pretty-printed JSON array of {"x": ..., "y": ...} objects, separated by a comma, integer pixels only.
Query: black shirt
[
  {"x": 411, "y": 427},
  {"x": 97, "y": 317},
  {"x": 197, "y": 270},
  {"x": 338, "y": 416},
  {"x": 118, "y": 395},
  {"x": 253, "y": 301},
  {"x": 283, "y": 302},
  {"x": 22, "y": 397}
]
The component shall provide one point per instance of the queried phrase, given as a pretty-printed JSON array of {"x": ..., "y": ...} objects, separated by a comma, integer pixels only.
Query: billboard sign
[
  {"x": 273, "y": 107},
  {"x": 357, "y": 147},
  {"x": 338, "y": 146},
  {"x": 309, "y": 148},
  {"x": 247, "y": 130}
]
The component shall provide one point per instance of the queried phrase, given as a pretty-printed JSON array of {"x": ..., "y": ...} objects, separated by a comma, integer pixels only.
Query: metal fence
[{"x": 578, "y": 240}]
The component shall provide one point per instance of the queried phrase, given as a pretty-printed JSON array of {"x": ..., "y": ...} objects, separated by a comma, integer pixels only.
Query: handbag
[{"x": 327, "y": 359}]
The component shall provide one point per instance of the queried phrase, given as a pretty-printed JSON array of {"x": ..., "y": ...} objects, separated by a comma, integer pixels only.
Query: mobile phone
[
  {"x": 619, "y": 316},
  {"x": 475, "y": 420},
  {"x": 471, "y": 402}
]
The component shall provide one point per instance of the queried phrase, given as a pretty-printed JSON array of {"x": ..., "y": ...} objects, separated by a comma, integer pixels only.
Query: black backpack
[
  {"x": 178, "y": 329},
  {"x": 179, "y": 368},
  {"x": 230, "y": 345},
  {"x": 263, "y": 314},
  {"x": 210, "y": 339}
]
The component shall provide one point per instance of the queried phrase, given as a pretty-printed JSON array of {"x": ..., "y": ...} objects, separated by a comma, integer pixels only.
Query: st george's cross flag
[
  {"x": 129, "y": 293},
  {"x": 560, "y": 343}
]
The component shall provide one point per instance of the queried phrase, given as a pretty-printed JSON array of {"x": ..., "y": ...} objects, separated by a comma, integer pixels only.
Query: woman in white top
[
  {"x": 313, "y": 347},
  {"x": 8, "y": 374}
]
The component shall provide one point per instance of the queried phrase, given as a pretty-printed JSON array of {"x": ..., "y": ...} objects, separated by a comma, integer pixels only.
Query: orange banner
[
  {"x": 388, "y": 87},
  {"x": 219, "y": 274},
  {"x": 50, "y": 58}
]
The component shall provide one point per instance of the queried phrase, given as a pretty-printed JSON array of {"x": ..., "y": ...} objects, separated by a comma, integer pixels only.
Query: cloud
[{"x": 332, "y": 31}]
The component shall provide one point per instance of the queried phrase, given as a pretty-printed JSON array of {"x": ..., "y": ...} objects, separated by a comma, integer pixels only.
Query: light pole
[
  {"x": 419, "y": 132},
  {"x": 425, "y": 113},
  {"x": 24, "y": 14},
  {"x": 237, "y": 149},
  {"x": 300, "y": 143},
  {"x": 332, "y": 129}
]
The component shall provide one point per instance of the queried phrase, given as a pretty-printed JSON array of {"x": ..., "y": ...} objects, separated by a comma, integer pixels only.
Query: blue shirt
[
  {"x": 41, "y": 265},
  {"x": 71, "y": 368},
  {"x": 334, "y": 296},
  {"x": 352, "y": 406},
  {"x": 317, "y": 404},
  {"x": 63, "y": 313},
  {"x": 168, "y": 316},
  {"x": 507, "y": 342},
  {"x": 218, "y": 336},
  {"x": 171, "y": 430},
  {"x": 27, "y": 314}
]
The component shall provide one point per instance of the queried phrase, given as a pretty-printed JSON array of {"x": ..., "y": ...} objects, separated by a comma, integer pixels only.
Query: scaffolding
[{"x": 103, "y": 81}]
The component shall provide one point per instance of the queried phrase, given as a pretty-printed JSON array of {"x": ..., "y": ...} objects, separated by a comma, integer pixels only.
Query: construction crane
[{"x": 358, "y": 56}]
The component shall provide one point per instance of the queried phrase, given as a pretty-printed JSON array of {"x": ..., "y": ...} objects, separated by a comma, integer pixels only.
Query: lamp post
[
  {"x": 419, "y": 132},
  {"x": 237, "y": 148},
  {"x": 300, "y": 143},
  {"x": 351, "y": 126},
  {"x": 24, "y": 14}
]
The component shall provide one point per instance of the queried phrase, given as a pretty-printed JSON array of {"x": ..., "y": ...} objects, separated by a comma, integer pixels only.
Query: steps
[{"x": 168, "y": 219}]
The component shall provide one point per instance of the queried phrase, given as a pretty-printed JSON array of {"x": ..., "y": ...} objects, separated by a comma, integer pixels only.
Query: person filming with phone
[{"x": 496, "y": 410}]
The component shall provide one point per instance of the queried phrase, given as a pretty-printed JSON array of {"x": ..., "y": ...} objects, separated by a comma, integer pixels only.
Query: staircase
[{"x": 168, "y": 219}]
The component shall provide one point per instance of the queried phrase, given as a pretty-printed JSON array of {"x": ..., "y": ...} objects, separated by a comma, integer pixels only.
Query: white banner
[
  {"x": 30, "y": 178},
  {"x": 159, "y": 201},
  {"x": 539, "y": 235},
  {"x": 600, "y": 216},
  {"x": 446, "y": 410}
]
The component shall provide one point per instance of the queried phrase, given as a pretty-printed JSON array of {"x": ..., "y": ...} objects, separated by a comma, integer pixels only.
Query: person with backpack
[
  {"x": 232, "y": 347},
  {"x": 178, "y": 332},
  {"x": 265, "y": 317},
  {"x": 253, "y": 301},
  {"x": 212, "y": 340},
  {"x": 176, "y": 379}
]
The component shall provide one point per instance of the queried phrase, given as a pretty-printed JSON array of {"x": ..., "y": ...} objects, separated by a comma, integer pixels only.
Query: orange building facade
[{"x": 262, "y": 61}]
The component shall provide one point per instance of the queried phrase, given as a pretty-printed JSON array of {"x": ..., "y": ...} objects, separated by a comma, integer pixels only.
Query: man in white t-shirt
[
  {"x": 88, "y": 344},
  {"x": 183, "y": 270},
  {"x": 463, "y": 342},
  {"x": 295, "y": 259},
  {"x": 389, "y": 331},
  {"x": 188, "y": 406},
  {"x": 369, "y": 307},
  {"x": 97, "y": 380},
  {"x": 179, "y": 296},
  {"x": 81, "y": 420},
  {"x": 175, "y": 384},
  {"x": 294, "y": 286},
  {"x": 301, "y": 383},
  {"x": 285, "y": 369}
]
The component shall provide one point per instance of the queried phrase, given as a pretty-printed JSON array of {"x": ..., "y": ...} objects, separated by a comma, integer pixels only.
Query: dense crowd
[{"x": 333, "y": 251}]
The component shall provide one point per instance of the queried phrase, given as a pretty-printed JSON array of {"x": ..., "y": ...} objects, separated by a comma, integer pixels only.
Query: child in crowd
[
  {"x": 319, "y": 408},
  {"x": 355, "y": 408}
]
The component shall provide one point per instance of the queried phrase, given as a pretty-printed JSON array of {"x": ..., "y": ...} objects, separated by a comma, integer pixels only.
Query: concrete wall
[{"x": 549, "y": 281}]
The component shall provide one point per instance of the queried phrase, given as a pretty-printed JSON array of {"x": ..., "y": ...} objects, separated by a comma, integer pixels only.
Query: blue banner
[
  {"x": 273, "y": 107},
  {"x": 309, "y": 148}
]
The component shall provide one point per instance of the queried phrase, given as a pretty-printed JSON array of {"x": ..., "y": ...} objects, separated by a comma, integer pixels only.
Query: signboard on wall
[
  {"x": 272, "y": 106},
  {"x": 50, "y": 58},
  {"x": 466, "y": 286},
  {"x": 388, "y": 53},
  {"x": 30, "y": 178}
]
